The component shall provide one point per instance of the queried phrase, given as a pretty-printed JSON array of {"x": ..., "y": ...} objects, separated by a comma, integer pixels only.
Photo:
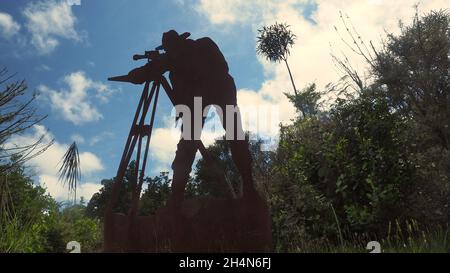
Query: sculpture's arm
[{"x": 149, "y": 72}]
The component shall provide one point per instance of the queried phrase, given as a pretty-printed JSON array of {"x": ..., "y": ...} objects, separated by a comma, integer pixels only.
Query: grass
[
  {"x": 15, "y": 237},
  {"x": 411, "y": 238}
]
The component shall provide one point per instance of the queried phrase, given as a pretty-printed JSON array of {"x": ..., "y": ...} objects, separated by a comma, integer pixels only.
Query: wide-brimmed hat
[{"x": 171, "y": 36}]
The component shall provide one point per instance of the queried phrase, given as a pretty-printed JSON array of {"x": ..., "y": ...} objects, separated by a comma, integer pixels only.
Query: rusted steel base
[{"x": 202, "y": 225}]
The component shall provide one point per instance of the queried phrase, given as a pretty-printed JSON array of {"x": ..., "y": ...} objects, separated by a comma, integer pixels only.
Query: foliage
[
  {"x": 373, "y": 158},
  {"x": 274, "y": 43},
  {"x": 17, "y": 115},
  {"x": 156, "y": 195},
  {"x": 204, "y": 182},
  {"x": 372, "y": 166},
  {"x": 153, "y": 197},
  {"x": 99, "y": 201},
  {"x": 414, "y": 68},
  {"x": 77, "y": 227},
  {"x": 32, "y": 221},
  {"x": 306, "y": 102},
  {"x": 24, "y": 208}
]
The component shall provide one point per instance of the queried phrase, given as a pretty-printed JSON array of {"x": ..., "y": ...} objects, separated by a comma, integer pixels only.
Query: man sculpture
[{"x": 199, "y": 70}]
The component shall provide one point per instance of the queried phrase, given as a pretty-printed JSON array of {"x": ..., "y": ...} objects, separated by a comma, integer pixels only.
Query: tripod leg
[
  {"x": 144, "y": 130},
  {"x": 129, "y": 147},
  {"x": 149, "y": 136},
  {"x": 140, "y": 131}
]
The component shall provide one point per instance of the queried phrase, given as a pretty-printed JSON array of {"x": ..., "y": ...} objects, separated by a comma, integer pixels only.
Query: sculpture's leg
[
  {"x": 242, "y": 158},
  {"x": 182, "y": 166},
  {"x": 240, "y": 152},
  {"x": 185, "y": 155}
]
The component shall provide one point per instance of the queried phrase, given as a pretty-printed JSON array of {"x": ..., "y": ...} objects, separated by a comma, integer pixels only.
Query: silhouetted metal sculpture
[{"x": 197, "y": 69}]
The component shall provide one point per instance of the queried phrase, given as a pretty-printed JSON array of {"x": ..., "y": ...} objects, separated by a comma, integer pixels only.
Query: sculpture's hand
[{"x": 137, "y": 76}]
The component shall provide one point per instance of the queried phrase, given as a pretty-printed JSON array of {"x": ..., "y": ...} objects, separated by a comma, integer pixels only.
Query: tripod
[{"x": 140, "y": 131}]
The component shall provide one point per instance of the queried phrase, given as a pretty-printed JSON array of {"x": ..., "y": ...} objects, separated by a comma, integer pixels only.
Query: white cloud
[
  {"x": 101, "y": 137},
  {"x": 58, "y": 191},
  {"x": 48, "y": 21},
  {"x": 78, "y": 139},
  {"x": 243, "y": 11},
  {"x": 310, "y": 58},
  {"x": 8, "y": 27},
  {"x": 43, "y": 68},
  {"x": 165, "y": 139},
  {"x": 75, "y": 104},
  {"x": 163, "y": 145},
  {"x": 47, "y": 164}
]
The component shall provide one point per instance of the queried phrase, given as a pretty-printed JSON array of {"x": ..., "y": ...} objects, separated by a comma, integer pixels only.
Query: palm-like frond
[
  {"x": 70, "y": 170},
  {"x": 274, "y": 42}
]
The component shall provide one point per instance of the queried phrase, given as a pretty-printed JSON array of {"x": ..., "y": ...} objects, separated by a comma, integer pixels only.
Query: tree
[
  {"x": 414, "y": 66},
  {"x": 97, "y": 205},
  {"x": 307, "y": 102},
  {"x": 17, "y": 115},
  {"x": 204, "y": 184},
  {"x": 205, "y": 181},
  {"x": 274, "y": 42},
  {"x": 77, "y": 226},
  {"x": 27, "y": 215},
  {"x": 369, "y": 160},
  {"x": 23, "y": 205},
  {"x": 156, "y": 195}
]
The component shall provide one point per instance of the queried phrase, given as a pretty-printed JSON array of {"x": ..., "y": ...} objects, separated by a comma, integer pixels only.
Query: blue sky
[
  {"x": 110, "y": 32},
  {"x": 68, "y": 51}
]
